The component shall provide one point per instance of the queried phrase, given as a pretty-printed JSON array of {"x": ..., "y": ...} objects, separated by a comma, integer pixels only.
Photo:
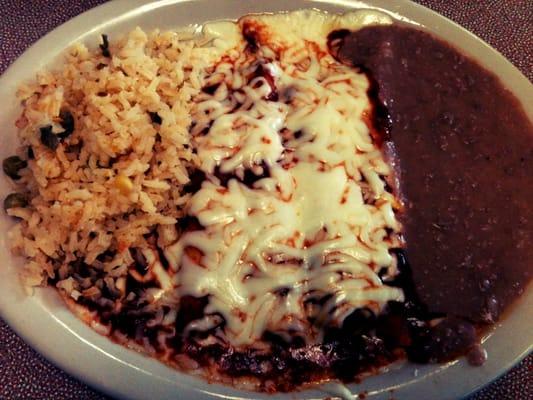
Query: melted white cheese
[{"x": 318, "y": 227}]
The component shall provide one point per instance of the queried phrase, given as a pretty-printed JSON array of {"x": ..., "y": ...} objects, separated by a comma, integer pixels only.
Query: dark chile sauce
[{"x": 462, "y": 147}]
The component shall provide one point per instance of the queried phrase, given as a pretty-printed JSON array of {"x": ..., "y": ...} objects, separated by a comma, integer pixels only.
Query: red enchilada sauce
[{"x": 463, "y": 151}]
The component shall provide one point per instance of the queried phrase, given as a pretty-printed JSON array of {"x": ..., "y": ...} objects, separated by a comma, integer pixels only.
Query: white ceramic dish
[{"x": 44, "y": 322}]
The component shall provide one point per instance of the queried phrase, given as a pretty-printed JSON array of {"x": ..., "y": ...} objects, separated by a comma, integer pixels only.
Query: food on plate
[
  {"x": 465, "y": 153},
  {"x": 258, "y": 202}
]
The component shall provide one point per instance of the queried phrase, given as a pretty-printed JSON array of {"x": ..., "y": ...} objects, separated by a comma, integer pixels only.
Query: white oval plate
[{"x": 43, "y": 320}]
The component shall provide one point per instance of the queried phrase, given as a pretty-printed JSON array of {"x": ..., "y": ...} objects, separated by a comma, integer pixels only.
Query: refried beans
[{"x": 463, "y": 150}]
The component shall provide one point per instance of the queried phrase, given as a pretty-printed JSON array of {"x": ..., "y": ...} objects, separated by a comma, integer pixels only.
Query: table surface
[{"x": 506, "y": 25}]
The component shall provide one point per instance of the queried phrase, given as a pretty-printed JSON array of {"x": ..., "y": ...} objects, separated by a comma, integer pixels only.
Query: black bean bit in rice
[
  {"x": 112, "y": 161},
  {"x": 49, "y": 138},
  {"x": 74, "y": 148},
  {"x": 141, "y": 264},
  {"x": 15, "y": 200},
  {"x": 12, "y": 166},
  {"x": 156, "y": 119},
  {"x": 163, "y": 258},
  {"x": 211, "y": 89},
  {"x": 31, "y": 154},
  {"x": 67, "y": 123},
  {"x": 105, "y": 47}
]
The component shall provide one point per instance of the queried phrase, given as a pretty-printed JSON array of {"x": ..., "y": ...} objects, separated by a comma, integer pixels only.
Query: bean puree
[{"x": 463, "y": 149}]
